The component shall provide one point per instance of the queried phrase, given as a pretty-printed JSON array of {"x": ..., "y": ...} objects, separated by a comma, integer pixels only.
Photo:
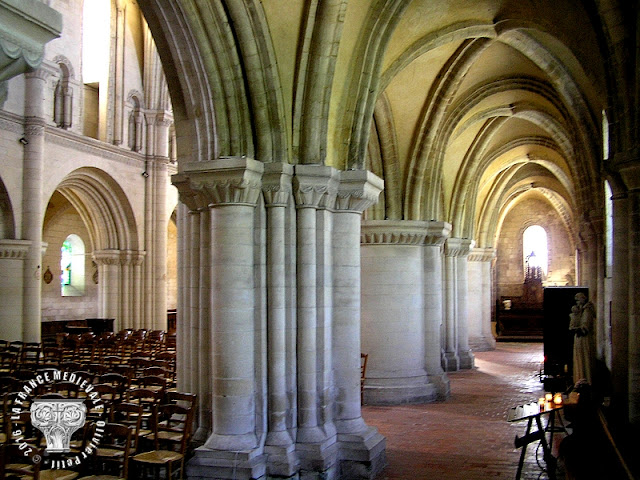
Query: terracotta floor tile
[{"x": 466, "y": 437}]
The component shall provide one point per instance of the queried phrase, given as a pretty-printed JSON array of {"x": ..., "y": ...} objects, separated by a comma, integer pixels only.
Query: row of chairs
[{"x": 127, "y": 447}]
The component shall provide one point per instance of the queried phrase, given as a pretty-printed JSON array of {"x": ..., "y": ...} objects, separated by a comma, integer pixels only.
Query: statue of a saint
[{"x": 582, "y": 326}]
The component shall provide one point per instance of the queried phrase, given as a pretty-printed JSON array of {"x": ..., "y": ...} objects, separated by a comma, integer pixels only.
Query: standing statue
[{"x": 582, "y": 326}]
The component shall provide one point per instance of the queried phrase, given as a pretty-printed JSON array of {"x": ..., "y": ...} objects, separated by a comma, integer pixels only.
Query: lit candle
[
  {"x": 557, "y": 399},
  {"x": 548, "y": 397},
  {"x": 541, "y": 404}
]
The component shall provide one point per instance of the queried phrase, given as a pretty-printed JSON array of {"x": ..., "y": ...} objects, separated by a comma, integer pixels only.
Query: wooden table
[{"x": 532, "y": 412}]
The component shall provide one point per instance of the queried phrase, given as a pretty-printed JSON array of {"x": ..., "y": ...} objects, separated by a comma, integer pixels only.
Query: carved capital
[
  {"x": 277, "y": 184},
  {"x": 482, "y": 254},
  {"x": 358, "y": 190},
  {"x": 315, "y": 186},
  {"x": 118, "y": 257},
  {"x": 404, "y": 232},
  {"x": 14, "y": 249},
  {"x": 25, "y": 28},
  {"x": 193, "y": 199},
  {"x": 458, "y": 247},
  {"x": 226, "y": 181}
]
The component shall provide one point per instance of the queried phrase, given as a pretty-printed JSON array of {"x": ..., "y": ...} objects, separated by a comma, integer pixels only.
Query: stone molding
[
  {"x": 226, "y": 181},
  {"x": 315, "y": 186},
  {"x": 14, "y": 249},
  {"x": 630, "y": 174},
  {"x": 118, "y": 257},
  {"x": 478, "y": 254},
  {"x": 358, "y": 190},
  {"x": 458, "y": 247},
  {"x": 194, "y": 201},
  {"x": 25, "y": 27},
  {"x": 277, "y": 182},
  {"x": 404, "y": 232}
]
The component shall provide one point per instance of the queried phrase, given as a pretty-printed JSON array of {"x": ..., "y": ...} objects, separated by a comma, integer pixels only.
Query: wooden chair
[
  {"x": 171, "y": 435},
  {"x": 152, "y": 382},
  {"x": 14, "y": 465},
  {"x": 52, "y": 356},
  {"x": 110, "y": 461},
  {"x": 364, "y": 357},
  {"x": 129, "y": 414},
  {"x": 8, "y": 361},
  {"x": 148, "y": 399},
  {"x": 30, "y": 355},
  {"x": 117, "y": 380}
]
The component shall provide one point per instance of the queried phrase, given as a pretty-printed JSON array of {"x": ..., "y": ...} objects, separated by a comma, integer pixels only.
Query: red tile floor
[{"x": 468, "y": 436}]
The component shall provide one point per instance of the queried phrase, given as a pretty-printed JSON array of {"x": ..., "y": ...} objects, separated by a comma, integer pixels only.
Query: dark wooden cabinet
[{"x": 558, "y": 342}]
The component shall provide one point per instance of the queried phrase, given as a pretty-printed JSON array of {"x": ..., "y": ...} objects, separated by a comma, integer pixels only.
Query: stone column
[
  {"x": 118, "y": 84},
  {"x": 201, "y": 318},
  {"x": 119, "y": 286},
  {"x": 393, "y": 326},
  {"x": 12, "y": 256},
  {"x": 450, "y": 359},
  {"x": 480, "y": 336},
  {"x": 279, "y": 445},
  {"x": 108, "y": 262},
  {"x": 631, "y": 177},
  {"x": 315, "y": 187},
  {"x": 32, "y": 214},
  {"x": 157, "y": 154},
  {"x": 232, "y": 187},
  {"x": 359, "y": 443},
  {"x": 437, "y": 233},
  {"x": 183, "y": 310},
  {"x": 194, "y": 318},
  {"x": 462, "y": 319}
]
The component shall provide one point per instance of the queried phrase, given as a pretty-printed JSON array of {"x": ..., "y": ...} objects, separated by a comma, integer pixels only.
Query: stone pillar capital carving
[
  {"x": 25, "y": 28},
  {"x": 404, "y": 232},
  {"x": 277, "y": 184},
  {"x": 482, "y": 254},
  {"x": 118, "y": 257},
  {"x": 630, "y": 174},
  {"x": 315, "y": 186},
  {"x": 226, "y": 181},
  {"x": 458, "y": 247},
  {"x": 358, "y": 190},
  {"x": 14, "y": 249}
]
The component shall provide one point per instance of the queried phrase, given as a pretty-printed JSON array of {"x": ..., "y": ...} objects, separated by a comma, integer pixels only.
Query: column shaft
[
  {"x": 437, "y": 233},
  {"x": 232, "y": 333},
  {"x": 308, "y": 431},
  {"x": 620, "y": 306},
  {"x": 346, "y": 320},
  {"x": 32, "y": 214},
  {"x": 450, "y": 361}
]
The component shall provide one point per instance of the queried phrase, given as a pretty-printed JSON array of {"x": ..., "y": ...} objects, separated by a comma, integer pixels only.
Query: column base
[
  {"x": 441, "y": 383},
  {"x": 318, "y": 456},
  {"x": 362, "y": 455},
  {"x": 450, "y": 362},
  {"x": 482, "y": 343},
  {"x": 467, "y": 360},
  {"x": 223, "y": 465},
  {"x": 281, "y": 460},
  {"x": 395, "y": 391}
]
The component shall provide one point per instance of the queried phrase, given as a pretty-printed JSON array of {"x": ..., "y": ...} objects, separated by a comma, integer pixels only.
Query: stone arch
[
  {"x": 103, "y": 206},
  {"x": 223, "y": 82},
  {"x": 63, "y": 93},
  {"x": 135, "y": 128},
  {"x": 7, "y": 221}
]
